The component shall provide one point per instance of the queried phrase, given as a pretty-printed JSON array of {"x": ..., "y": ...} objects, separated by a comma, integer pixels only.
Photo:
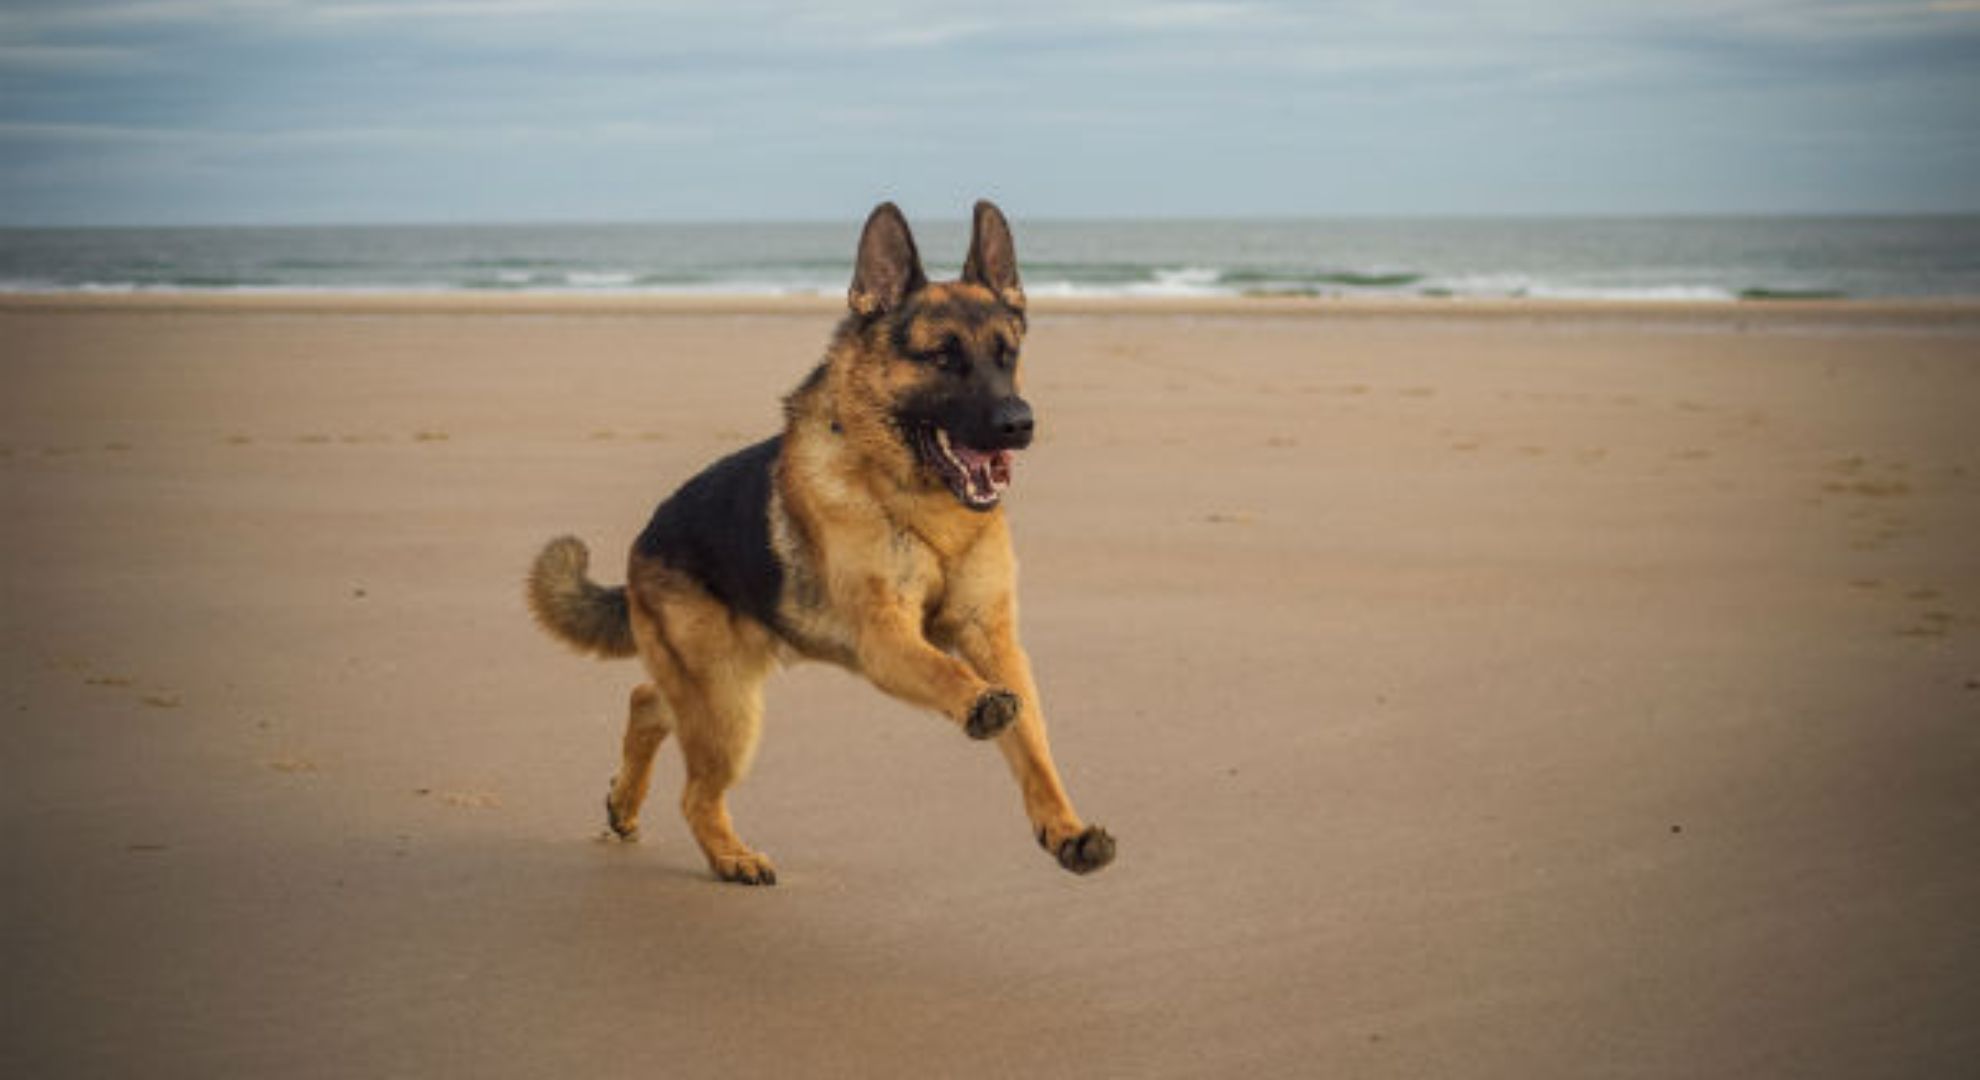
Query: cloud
[
  {"x": 26, "y": 59},
  {"x": 644, "y": 108},
  {"x": 54, "y": 15},
  {"x": 90, "y": 133}
]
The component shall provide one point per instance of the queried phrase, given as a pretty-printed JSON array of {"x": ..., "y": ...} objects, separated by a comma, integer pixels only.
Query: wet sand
[{"x": 1476, "y": 690}]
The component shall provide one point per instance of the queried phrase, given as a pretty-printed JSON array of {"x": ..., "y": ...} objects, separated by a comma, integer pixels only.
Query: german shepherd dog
[{"x": 869, "y": 534}]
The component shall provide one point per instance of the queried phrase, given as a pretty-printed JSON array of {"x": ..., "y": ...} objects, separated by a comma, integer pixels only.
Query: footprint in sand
[
  {"x": 430, "y": 436},
  {"x": 292, "y": 764},
  {"x": 1852, "y": 480},
  {"x": 161, "y": 699},
  {"x": 1932, "y": 624},
  {"x": 1871, "y": 489},
  {"x": 471, "y": 800}
]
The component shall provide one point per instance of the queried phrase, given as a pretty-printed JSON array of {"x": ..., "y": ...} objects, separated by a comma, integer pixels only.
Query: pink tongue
[{"x": 992, "y": 465}]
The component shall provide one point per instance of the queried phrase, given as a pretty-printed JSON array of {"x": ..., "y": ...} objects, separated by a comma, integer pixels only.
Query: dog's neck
[
  {"x": 865, "y": 453},
  {"x": 816, "y": 413}
]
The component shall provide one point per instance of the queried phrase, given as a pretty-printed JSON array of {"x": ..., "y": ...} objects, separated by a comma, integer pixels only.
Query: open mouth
[{"x": 977, "y": 477}]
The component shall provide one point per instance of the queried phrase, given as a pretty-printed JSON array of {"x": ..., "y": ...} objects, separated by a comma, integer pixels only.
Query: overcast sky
[{"x": 266, "y": 111}]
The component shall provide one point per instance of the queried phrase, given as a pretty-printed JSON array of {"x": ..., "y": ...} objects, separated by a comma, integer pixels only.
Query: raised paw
[
  {"x": 992, "y": 713},
  {"x": 625, "y": 828},
  {"x": 748, "y": 868},
  {"x": 1083, "y": 852}
]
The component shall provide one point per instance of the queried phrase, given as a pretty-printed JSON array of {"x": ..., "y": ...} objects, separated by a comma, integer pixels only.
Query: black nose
[{"x": 1013, "y": 423}]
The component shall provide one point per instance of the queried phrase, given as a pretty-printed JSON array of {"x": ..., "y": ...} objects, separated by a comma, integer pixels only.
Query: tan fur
[{"x": 709, "y": 665}]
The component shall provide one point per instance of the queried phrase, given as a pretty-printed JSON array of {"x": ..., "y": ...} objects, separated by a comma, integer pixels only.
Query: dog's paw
[
  {"x": 992, "y": 713},
  {"x": 749, "y": 868},
  {"x": 625, "y": 828},
  {"x": 1083, "y": 852}
]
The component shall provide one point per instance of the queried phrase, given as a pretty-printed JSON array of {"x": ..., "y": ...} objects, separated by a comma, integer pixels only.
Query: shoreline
[{"x": 1932, "y": 311}]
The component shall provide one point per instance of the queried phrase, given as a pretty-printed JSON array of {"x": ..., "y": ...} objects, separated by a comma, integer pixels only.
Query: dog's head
[{"x": 940, "y": 360}]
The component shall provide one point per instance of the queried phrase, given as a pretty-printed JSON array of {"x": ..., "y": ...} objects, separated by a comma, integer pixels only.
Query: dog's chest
[{"x": 833, "y": 584}]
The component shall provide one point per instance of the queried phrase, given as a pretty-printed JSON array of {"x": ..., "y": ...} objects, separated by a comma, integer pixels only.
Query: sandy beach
[{"x": 1477, "y": 689}]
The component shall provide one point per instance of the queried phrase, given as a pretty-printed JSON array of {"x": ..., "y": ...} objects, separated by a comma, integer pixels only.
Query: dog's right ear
[
  {"x": 992, "y": 261},
  {"x": 889, "y": 268}
]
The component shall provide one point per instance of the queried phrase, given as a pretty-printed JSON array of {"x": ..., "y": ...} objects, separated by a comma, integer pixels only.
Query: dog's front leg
[
  {"x": 990, "y": 643},
  {"x": 898, "y": 659}
]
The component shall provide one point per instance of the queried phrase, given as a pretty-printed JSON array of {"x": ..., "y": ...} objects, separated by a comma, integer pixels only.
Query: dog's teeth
[
  {"x": 976, "y": 490},
  {"x": 942, "y": 441}
]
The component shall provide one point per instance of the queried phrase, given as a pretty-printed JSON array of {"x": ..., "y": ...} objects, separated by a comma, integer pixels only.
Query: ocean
[{"x": 1688, "y": 258}]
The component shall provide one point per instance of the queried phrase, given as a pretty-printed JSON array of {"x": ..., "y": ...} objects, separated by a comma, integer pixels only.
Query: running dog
[{"x": 869, "y": 534}]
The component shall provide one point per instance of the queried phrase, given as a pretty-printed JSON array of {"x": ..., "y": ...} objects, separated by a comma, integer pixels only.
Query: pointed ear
[
  {"x": 992, "y": 261},
  {"x": 888, "y": 268}
]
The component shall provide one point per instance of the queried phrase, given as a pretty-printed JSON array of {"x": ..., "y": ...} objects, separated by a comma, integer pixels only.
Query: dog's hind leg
[
  {"x": 647, "y": 723},
  {"x": 710, "y": 665},
  {"x": 719, "y": 724}
]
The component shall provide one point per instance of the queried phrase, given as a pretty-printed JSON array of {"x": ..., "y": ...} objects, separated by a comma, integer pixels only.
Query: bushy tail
[{"x": 589, "y": 617}]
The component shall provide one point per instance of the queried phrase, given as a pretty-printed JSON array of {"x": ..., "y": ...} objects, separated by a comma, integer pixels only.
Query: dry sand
[{"x": 1476, "y": 690}]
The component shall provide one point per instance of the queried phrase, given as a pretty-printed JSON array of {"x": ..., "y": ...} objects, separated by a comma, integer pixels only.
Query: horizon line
[{"x": 1048, "y": 219}]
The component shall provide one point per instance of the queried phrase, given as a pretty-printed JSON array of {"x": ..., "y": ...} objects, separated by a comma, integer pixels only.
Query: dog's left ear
[
  {"x": 888, "y": 268},
  {"x": 992, "y": 261}
]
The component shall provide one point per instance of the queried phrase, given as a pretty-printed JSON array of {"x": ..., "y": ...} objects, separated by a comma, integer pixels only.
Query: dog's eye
[
  {"x": 1006, "y": 356},
  {"x": 950, "y": 356}
]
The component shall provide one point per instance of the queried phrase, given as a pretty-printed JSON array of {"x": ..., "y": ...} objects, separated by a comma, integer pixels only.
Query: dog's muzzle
[{"x": 976, "y": 477}]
